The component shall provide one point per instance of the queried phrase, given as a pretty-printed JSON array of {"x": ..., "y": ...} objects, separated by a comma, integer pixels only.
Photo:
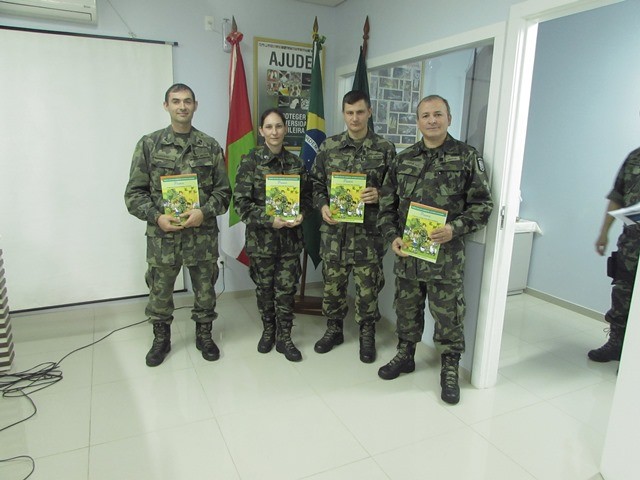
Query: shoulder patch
[{"x": 480, "y": 164}]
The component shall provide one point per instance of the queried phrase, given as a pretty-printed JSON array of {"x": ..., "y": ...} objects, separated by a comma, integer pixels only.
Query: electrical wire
[
  {"x": 46, "y": 374},
  {"x": 34, "y": 379}
]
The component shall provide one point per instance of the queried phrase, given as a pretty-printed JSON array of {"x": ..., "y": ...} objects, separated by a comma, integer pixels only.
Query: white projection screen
[{"x": 73, "y": 109}]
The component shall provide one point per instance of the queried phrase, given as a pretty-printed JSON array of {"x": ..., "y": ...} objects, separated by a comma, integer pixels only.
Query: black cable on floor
[
  {"x": 43, "y": 375},
  {"x": 34, "y": 379}
]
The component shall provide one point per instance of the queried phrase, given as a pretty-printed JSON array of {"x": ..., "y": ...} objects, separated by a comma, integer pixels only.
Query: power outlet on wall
[{"x": 208, "y": 23}]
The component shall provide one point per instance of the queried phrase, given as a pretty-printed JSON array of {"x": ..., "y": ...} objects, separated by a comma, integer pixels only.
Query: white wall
[
  {"x": 199, "y": 60},
  {"x": 583, "y": 122}
]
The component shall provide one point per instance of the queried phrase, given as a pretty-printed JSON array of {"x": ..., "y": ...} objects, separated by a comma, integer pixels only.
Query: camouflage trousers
[
  {"x": 447, "y": 307},
  {"x": 276, "y": 280},
  {"x": 622, "y": 289},
  {"x": 161, "y": 281},
  {"x": 368, "y": 279}
]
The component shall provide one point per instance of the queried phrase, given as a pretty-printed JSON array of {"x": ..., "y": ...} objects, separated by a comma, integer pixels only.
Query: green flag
[
  {"x": 314, "y": 136},
  {"x": 361, "y": 81}
]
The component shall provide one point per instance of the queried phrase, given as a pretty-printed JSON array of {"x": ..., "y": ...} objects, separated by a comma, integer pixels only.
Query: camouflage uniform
[
  {"x": 348, "y": 247},
  {"x": 274, "y": 253},
  {"x": 166, "y": 153},
  {"x": 625, "y": 192},
  {"x": 452, "y": 178}
]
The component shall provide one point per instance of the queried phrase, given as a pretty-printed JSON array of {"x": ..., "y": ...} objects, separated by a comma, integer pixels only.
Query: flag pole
[
  {"x": 365, "y": 37},
  {"x": 309, "y": 305}
]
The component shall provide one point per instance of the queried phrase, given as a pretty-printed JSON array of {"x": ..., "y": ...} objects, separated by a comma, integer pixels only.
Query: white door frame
[{"x": 515, "y": 93}]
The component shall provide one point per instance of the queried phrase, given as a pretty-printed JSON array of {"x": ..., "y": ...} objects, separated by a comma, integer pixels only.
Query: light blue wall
[{"x": 583, "y": 122}]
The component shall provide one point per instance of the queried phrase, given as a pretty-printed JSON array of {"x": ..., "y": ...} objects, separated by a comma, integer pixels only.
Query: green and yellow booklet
[
  {"x": 179, "y": 193},
  {"x": 421, "y": 220},
  {"x": 282, "y": 196},
  {"x": 344, "y": 199}
]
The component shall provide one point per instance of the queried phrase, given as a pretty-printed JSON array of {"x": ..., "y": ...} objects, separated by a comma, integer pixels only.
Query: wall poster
[{"x": 282, "y": 79}]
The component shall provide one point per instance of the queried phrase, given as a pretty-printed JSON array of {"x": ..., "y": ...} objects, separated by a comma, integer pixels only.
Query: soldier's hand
[
  {"x": 194, "y": 218},
  {"x": 396, "y": 246},
  {"x": 601, "y": 244},
  {"x": 326, "y": 215},
  {"x": 369, "y": 195},
  {"x": 278, "y": 223},
  {"x": 295, "y": 222},
  {"x": 441, "y": 235},
  {"x": 169, "y": 223}
]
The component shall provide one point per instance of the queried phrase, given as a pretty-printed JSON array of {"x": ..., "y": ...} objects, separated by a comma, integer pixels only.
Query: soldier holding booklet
[
  {"x": 347, "y": 174},
  {"x": 437, "y": 178},
  {"x": 178, "y": 186},
  {"x": 271, "y": 195}
]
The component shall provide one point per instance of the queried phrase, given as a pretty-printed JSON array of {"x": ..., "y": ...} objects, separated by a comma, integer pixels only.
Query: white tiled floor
[{"x": 329, "y": 417}]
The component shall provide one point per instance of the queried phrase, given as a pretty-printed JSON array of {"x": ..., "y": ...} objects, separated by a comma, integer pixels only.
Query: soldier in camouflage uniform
[
  {"x": 444, "y": 173},
  {"x": 273, "y": 244},
  {"x": 352, "y": 247},
  {"x": 623, "y": 263},
  {"x": 191, "y": 240}
]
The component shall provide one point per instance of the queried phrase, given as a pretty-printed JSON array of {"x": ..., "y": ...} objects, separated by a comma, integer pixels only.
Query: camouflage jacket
[
  {"x": 339, "y": 153},
  {"x": 452, "y": 178},
  {"x": 249, "y": 197},
  {"x": 165, "y": 153},
  {"x": 626, "y": 192}
]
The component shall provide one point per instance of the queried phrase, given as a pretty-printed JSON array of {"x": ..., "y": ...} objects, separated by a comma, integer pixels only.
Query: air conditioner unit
[{"x": 71, "y": 10}]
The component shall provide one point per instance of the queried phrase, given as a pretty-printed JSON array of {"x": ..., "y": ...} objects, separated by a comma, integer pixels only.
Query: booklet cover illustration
[
  {"x": 282, "y": 196},
  {"x": 179, "y": 193},
  {"x": 344, "y": 200},
  {"x": 421, "y": 220}
]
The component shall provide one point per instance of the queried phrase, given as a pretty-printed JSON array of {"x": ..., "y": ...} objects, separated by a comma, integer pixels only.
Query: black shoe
[
  {"x": 285, "y": 345},
  {"x": 205, "y": 343},
  {"x": 449, "y": 378},
  {"x": 612, "y": 350},
  {"x": 268, "y": 338},
  {"x": 289, "y": 350},
  {"x": 403, "y": 362},
  {"x": 161, "y": 344},
  {"x": 367, "y": 342},
  {"x": 331, "y": 338}
]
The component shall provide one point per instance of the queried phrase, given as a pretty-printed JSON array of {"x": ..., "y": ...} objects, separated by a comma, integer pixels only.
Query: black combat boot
[
  {"x": 161, "y": 344},
  {"x": 449, "y": 377},
  {"x": 284, "y": 344},
  {"x": 612, "y": 349},
  {"x": 205, "y": 343},
  {"x": 332, "y": 337},
  {"x": 403, "y": 362},
  {"x": 367, "y": 341},
  {"x": 268, "y": 338}
]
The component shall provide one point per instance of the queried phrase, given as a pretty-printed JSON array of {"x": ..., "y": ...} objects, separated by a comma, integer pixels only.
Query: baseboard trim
[{"x": 587, "y": 312}]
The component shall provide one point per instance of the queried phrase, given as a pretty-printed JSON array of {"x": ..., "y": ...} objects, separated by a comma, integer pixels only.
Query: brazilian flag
[{"x": 313, "y": 138}]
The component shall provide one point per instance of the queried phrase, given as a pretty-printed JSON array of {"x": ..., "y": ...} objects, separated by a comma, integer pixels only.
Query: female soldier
[{"x": 274, "y": 232}]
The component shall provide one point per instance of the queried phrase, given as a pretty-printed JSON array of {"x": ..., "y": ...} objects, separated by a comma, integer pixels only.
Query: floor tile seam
[
  {"x": 64, "y": 452},
  {"x": 255, "y": 407},
  {"x": 141, "y": 376},
  {"x": 92, "y": 444},
  {"x": 547, "y": 353},
  {"x": 580, "y": 366},
  {"x": 551, "y": 400},
  {"x": 413, "y": 442},
  {"x": 518, "y": 383},
  {"x": 538, "y": 401},
  {"x": 344, "y": 425},
  {"x": 226, "y": 446},
  {"x": 337, "y": 467},
  {"x": 320, "y": 391},
  {"x": 506, "y": 454}
]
